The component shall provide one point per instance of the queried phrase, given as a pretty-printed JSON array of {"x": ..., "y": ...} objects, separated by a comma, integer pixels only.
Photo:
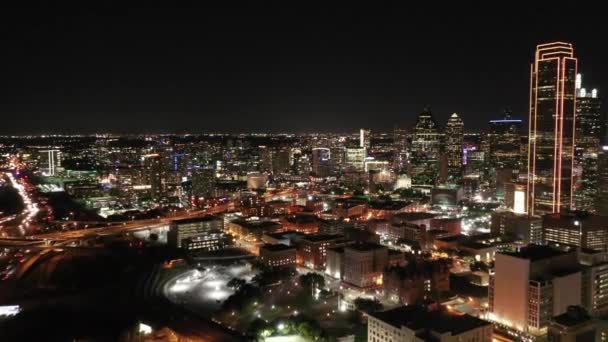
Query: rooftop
[
  {"x": 388, "y": 205},
  {"x": 322, "y": 237},
  {"x": 414, "y": 216},
  {"x": 574, "y": 316},
  {"x": 536, "y": 252},
  {"x": 197, "y": 219},
  {"x": 423, "y": 321},
  {"x": 276, "y": 248},
  {"x": 365, "y": 247}
]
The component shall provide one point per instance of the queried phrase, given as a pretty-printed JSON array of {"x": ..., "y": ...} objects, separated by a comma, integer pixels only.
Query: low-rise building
[
  {"x": 278, "y": 255},
  {"x": 364, "y": 263},
  {"x": 204, "y": 233},
  {"x": 414, "y": 324},
  {"x": 417, "y": 281},
  {"x": 312, "y": 249},
  {"x": 574, "y": 325},
  {"x": 526, "y": 228}
]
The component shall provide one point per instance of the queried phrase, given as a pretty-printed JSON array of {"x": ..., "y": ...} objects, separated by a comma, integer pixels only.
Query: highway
[{"x": 129, "y": 227}]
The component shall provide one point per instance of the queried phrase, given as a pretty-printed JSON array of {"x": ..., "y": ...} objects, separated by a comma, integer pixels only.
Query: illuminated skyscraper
[
  {"x": 551, "y": 128},
  {"x": 50, "y": 160},
  {"x": 321, "y": 161},
  {"x": 504, "y": 142},
  {"x": 588, "y": 117},
  {"x": 454, "y": 135},
  {"x": 425, "y": 150},
  {"x": 364, "y": 138},
  {"x": 400, "y": 148}
]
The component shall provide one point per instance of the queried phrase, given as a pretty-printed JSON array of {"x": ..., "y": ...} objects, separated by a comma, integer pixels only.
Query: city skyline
[{"x": 125, "y": 71}]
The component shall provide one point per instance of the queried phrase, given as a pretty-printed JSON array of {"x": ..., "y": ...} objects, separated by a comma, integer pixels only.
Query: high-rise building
[
  {"x": 280, "y": 159},
  {"x": 400, "y": 149},
  {"x": 153, "y": 173},
  {"x": 338, "y": 158},
  {"x": 601, "y": 197},
  {"x": 551, "y": 128},
  {"x": 321, "y": 161},
  {"x": 580, "y": 230},
  {"x": 454, "y": 136},
  {"x": 531, "y": 286},
  {"x": 50, "y": 161},
  {"x": 589, "y": 124},
  {"x": 364, "y": 138},
  {"x": 265, "y": 161},
  {"x": 586, "y": 187},
  {"x": 203, "y": 182},
  {"x": 355, "y": 158},
  {"x": 504, "y": 142},
  {"x": 425, "y": 148}
]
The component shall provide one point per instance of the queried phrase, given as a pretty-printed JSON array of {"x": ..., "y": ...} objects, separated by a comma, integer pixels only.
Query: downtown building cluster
[{"x": 463, "y": 236}]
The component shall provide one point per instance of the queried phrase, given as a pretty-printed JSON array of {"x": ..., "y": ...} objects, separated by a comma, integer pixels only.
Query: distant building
[
  {"x": 515, "y": 197},
  {"x": 365, "y": 138},
  {"x": 153, "y": 173},
  {"x": 278, "y": 255},
  {"x": 50, "y": 162},
  {"x": 454, "y": 135},
  {"x": 425, "y": 149},
  {"x": 345, "y": 208},
  {"x": 414, "y": 323},
  {"x": 449, "y": 195},
  {"x": 321, "y": 161},
  {"x": 504, "y": 142},
  {"x": 203, "y": 182},
  {"x": 355, "y": 158},
  {"x": 204, "y": 233}
]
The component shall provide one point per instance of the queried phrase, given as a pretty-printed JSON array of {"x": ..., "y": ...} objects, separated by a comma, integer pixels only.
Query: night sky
[{"x": 272, "y": 69}]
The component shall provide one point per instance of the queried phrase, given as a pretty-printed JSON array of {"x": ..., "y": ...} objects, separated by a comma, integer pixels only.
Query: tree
[
  {"x": 236, "y": 283},
  {"x": 271, "y": 275},
  {"x": 368, "y": 305},
  {"x": 244, "y": 296},
  {"x": 311, "y": 279}
]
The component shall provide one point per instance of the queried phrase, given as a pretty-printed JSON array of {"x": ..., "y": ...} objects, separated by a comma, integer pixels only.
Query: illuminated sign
[{"x": 519, "y": 202}]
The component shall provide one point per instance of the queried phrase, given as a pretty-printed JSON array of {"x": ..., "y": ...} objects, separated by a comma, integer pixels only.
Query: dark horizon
[{"x": 260, "y": 68}]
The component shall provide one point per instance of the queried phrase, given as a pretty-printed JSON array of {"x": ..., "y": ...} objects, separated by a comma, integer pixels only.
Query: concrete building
[
  {"x": 355, "y": 158},
  {"x": 531, "y": 286},
  {"x": 526, "y": 228},
  {"x": 417, "y": 281},
  {"x": 278, "y": 255},
  {"x": 414, "y": 324},
  {"x": 364, "y": 263},
  {"x": 312, "y": 249},
  {"x": 574, "y": 325},
  {"x": 203, "y": 233},
  {"x": 578, "y": 229}
]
